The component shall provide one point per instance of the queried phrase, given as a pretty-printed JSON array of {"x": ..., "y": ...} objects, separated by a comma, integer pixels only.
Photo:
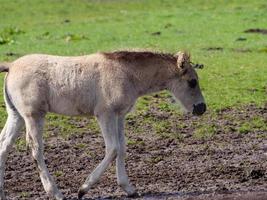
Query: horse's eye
[{"x": 192, "y": 83}]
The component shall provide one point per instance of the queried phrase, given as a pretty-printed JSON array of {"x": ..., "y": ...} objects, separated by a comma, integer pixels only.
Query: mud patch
[
  {"x": 171, "y": 161},
  {"x": 256, "y": 30},
  {"x": 156, "y": 33},
  {"x": 213, "y": 49},
  {"x": 241, "y": 39},
  {"x": 12, "y": 54}
]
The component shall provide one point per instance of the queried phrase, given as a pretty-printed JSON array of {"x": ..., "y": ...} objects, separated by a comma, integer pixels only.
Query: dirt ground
[{"x": 228, "y": 165}]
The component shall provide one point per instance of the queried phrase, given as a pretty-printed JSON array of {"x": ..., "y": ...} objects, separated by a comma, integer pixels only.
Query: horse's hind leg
[
  {"x": 34, "y": 126},
  {"x": 8, "y": 135}
]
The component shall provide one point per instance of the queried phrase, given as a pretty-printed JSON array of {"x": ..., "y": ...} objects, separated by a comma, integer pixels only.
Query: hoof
[
  {"x": 133, "y": 195},
  {"x": 2, "y": 195},
  {"x": 81, "y": 193},
  {"x": 2, "y": 198},
  {"x": 130, "y": 190},
  {"x": 58, "y": 196}
]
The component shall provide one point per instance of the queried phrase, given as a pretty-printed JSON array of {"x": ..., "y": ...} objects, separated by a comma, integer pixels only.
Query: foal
[{"x": 105, "y": 85}]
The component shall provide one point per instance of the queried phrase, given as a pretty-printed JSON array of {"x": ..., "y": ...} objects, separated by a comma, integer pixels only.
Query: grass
[
  {"x": 205, "y": 131},
  {"x": 21, "y": 144},
  {"x": 24, "y": 194},
  {"x": 235, "y": 74},
  {"x": 135, "y": 142},
  {"x": 58, "y": 173},
  {"x": 256, "y": 123}
]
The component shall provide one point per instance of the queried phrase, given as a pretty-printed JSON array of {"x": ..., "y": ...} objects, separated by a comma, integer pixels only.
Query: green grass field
[{"x": 235, "y": 70}]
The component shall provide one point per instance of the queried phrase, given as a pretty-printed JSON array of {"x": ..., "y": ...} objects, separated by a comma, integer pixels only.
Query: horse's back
[
  {"x": 68, "y": 85},
  {"x": 65, "y": 85}
]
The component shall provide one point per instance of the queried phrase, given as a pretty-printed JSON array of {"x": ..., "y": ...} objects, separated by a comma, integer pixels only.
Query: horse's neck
[{"x": 151, "y": 80}]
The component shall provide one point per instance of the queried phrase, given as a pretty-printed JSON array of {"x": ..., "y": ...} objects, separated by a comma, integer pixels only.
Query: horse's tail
[{"x": 4, "y": 67}]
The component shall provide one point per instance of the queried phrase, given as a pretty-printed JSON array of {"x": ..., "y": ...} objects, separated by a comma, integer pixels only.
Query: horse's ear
[{"x": 182, "y": 59}]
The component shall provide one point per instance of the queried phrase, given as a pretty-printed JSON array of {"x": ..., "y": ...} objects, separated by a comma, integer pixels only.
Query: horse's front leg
[
  {"x": 122, "y": 176},
  {"x": 108, "y": 125}
]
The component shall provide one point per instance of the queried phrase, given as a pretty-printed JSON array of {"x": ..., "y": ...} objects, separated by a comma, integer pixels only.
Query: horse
[{"x": 105, "y": 85}]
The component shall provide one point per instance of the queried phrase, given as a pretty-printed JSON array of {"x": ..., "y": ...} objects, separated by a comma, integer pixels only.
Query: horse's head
[{"x": 185, "y": 85}]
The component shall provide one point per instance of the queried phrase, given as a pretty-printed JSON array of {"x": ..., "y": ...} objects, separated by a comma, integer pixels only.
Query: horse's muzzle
[{"x": 199, "y": 109}]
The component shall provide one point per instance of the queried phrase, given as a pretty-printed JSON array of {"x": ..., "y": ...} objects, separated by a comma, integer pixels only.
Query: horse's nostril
[{"x": 199, "y": 109}]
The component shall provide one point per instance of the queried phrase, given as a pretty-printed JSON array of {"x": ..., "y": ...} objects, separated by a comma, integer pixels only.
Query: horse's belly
[{"x": 68, "y": 107}]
